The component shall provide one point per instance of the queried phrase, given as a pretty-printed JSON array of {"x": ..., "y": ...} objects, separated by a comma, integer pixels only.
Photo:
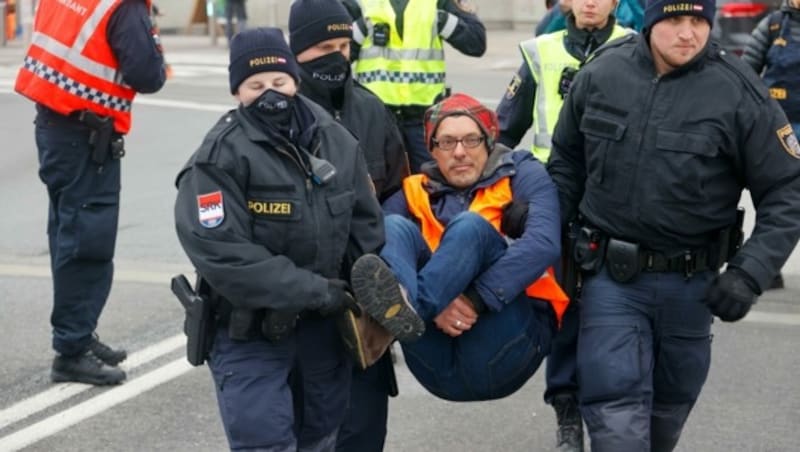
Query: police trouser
[
  {"x": 644, "y": 351},
  {"x": 561, "y": 367},
  {"x": 288, "y": 395},
  {"x": 81, "y": 227}
]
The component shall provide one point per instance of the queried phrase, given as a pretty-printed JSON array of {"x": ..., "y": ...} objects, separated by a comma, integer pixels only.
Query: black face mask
[
  {"x": 274, "y": 109},
  {"x": 328, "y": 72}
]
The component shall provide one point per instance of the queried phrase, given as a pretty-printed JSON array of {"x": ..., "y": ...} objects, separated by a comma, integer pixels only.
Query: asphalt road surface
[{"x": 751, "y": 401}]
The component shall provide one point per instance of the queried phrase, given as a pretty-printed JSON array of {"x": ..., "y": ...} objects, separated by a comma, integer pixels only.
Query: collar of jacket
[
  {"x": 696, "y": 63},
  {"x": 499, "y": 164},
  {"x": 579, "y": 39}
]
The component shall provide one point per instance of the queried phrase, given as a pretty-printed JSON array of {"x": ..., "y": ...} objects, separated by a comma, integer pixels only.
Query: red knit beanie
[{"x": 461, "y": 104}]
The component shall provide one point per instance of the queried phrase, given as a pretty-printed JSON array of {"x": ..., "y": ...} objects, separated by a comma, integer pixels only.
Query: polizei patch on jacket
[
  {"x": 789, "y": 141},
  {"x": 272, "y": 208},
  {"x": 513, "y": 86},
  {"x": 210, "y": 209}
]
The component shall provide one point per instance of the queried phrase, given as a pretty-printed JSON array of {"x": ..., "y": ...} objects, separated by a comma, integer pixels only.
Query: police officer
[
  {"x": 83, "y": 69},
  {"x": 533, "y": 98},
  {"x": 774, "y": 48},
  {"x": 654, "y": 176},
  {"x": 271, "y": 209},
  {"x": 320, "y": 32},
  {"x": 399, "y": 53}
]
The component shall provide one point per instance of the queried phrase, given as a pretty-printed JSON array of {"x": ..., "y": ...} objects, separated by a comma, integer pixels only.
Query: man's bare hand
[{"x": 457, "y": 317}]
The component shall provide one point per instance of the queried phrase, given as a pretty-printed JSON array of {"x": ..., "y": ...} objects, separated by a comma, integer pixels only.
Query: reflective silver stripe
[
  {"x": 449, "y": 26},
  {"x": 358, "y": 36},
  {"x": 73, "y": 54},
  {"x": 541, "y": 137},
  {"x": 402, "y": 54},
  {"x": 76, "y": 88},
  {"x": 381, "y": 75}
]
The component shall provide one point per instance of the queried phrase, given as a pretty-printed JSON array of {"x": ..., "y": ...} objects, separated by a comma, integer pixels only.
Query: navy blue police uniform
[{"x": 655, "y": 177}]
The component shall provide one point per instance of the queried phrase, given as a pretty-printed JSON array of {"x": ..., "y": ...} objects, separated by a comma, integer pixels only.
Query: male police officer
[
  {"x": 656, "y": 140},
  {"x": 83, "y": 69},
  {"x": 399, "y": 55},
  {"x": 320, "y": 33},
  {"x": 534, "y": 97}
]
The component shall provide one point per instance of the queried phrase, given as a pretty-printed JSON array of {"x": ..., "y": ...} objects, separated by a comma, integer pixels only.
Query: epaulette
[
  {"x": 751, "y": 81},
  {"x": 209, "y": 149},
  {"x": 613, "y": 44}
]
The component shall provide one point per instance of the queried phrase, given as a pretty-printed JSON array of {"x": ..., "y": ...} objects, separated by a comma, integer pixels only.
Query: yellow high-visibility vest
[
  {"x": 547, "y": 57},
  {"x": 409, "y": 70}
]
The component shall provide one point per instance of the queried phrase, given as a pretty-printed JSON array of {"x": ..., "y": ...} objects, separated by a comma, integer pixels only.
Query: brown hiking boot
[
  {"x": 376, "y": 289},
  {"x": 365, "y": 339}
]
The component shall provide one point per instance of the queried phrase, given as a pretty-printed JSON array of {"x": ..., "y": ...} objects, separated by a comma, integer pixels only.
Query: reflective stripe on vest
[
  {"x": 547, "y": 57},
  {"x": 408, "y": 70},
  {"x": 488, "y": 203},
  {"x": 70, "y": 65}
]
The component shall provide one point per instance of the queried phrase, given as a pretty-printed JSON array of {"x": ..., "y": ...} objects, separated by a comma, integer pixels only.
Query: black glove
[
  {"x": 515, "y": 214},
  {"x": 339, "y": 298},
  {"x": 471, "y": 293},
  {"x": 732, "y": 294}
]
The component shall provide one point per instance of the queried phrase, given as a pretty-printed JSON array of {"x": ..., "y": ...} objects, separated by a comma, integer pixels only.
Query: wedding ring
[{"x": 458, "y": 323}]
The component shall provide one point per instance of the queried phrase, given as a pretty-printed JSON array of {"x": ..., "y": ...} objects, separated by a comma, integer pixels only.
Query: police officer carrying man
[
  {"x": 320, "y": 33},
  {"x": 534, "y": 98},
  {"x": 272, "y": 210},
  {"x": 654, "y": 176},
  {"x": 83, "y": 69},
  {"x": 399, "y": 55}
]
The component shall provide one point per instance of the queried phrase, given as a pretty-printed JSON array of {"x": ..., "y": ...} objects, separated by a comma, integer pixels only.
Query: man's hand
[
  {"x": 731, "y": 295},
  {"x": 457, "y": 317},
  {"x": 339, "y": 298}
]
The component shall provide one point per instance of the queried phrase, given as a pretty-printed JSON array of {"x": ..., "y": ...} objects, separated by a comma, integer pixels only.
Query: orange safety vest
[
  {"x": 488, "y": 203},
  {"x": 70, "y": 65}
]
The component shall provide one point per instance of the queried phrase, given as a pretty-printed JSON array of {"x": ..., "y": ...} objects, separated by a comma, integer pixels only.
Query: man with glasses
[{"x": 469, "y": 245}]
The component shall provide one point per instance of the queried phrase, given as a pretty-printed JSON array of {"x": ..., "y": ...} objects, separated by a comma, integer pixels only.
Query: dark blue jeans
[
  {"x": 502, "y": 350},
  {"x": 81, "y": 228},
  {"x": 644, "y": 352},
  {"x": 283, "y": 396}
]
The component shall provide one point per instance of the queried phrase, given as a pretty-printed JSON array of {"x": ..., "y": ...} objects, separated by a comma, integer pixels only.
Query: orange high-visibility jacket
[
  {"x": 488, "y": 203},
  {"x": 70, "y": 65}
]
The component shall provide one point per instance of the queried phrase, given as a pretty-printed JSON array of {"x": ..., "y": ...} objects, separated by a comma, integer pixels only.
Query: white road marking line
[
  {"x": 120, "y": 274},
  {"x": 94, "y": 406},
  {"x": 63, "y": 391},
  {"x": 774, "y": 318}
]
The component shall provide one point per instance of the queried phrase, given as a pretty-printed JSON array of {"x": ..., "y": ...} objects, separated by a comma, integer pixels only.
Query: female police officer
[{"x": 271, "y": 208}]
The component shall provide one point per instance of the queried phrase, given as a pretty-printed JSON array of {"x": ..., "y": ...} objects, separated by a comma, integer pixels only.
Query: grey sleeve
[{"x": 755, "y": 51}]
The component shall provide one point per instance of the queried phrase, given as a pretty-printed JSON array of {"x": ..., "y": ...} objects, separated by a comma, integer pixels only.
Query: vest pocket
[
  {"x": 682, "y": 159},
  {"x": 599, "y": 134}
]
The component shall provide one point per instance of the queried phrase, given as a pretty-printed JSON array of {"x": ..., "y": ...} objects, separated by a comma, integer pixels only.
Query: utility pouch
[
  {"x": 278, "y": 325},
  {"x": 100, "y": 137},
  {"x": 623, "y": 260},
  {"x": 240, "y": 324},
  {"x": 590, "y": 249}
]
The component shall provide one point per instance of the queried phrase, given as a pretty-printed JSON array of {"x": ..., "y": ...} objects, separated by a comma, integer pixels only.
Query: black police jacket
[
  {"x": 364, "y": 114},
  {"x": 259, "y": 229},
  {"x": 663, "y": 160}
]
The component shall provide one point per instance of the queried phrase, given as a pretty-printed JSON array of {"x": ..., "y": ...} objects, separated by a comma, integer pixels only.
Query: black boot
[
  {"x": 85, "y": 368},
  {"x": 570, "y": 425},
  {"x": 107, "y": 354}
]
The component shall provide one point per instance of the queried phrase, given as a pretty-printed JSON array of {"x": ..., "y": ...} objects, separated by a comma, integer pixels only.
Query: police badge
[
  {"x": 210, "y": 209},
  {"x": 789, "y": 141}
]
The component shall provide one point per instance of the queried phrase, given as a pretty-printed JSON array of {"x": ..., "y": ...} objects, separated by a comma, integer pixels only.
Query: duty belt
[{"x": 687, "y": 263}]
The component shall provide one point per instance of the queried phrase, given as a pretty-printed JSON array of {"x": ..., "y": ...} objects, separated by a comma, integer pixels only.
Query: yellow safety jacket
[
  {"x": 488, "y": 203},
  {"x": 547, "y": 57},
  {"x": 409, "y": 70}
]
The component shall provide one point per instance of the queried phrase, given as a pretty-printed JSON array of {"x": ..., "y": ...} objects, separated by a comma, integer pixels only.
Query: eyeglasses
[{"x": 449, "y": 143}]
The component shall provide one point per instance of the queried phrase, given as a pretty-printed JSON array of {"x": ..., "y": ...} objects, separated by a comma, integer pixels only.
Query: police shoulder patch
[
  {"x": 466, "y": 6},
  {"x": 513, "y": 86},
  {"x": 789, "y": 141},
  {"x": 210, "y": 209}
]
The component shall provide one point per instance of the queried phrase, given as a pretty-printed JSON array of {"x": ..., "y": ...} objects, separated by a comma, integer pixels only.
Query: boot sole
[
  {"x": 377, "y": 291},
  {"x": 352, "y": 340},
  {"x": 60, "y": 377}
]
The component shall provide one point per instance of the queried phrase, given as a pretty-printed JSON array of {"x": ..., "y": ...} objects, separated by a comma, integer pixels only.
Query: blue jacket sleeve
[
  {"x": 396, "y": 204},
  {"x": 528, "y": 257},
  {"x": 515, "y": 111},
  {"x": 136, "y": 48},
  {"x": 461, "y": 28}
]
